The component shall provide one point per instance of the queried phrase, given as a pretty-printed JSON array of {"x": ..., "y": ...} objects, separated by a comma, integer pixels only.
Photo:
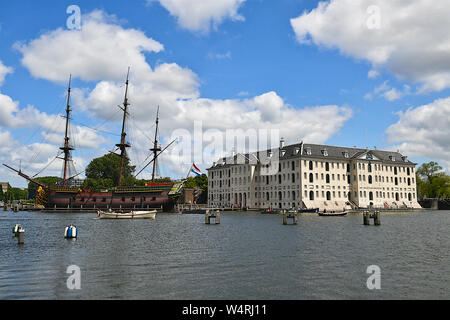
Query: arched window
[
  {"x": 409, "y": 182},
  {"x": 327, "y": 166},
  {"x": 293, "y": 178},
  {"x": 370, "y": 179},
  {"x": 409, "y": 196},
  {"x": 328, "y": 195},
  {"x": 311, "y": 195},
  {"x": 408, "y": 171},
  {"x": 311, "y": 178},
  {"x": 369, "y": 167},
  {"x": 268, "y": 196},
  {"x": 370, "y": 195},
  {"x": 396, "y": 181},
  {"x": 293, "y": 195},
  {"x": 310, "y": 165},
  {"x": 280, "y": 196},
  {"x": 327, "y": 178},
  {"x": 348, "y": 167},
  {"x": 395, "y": 170}
]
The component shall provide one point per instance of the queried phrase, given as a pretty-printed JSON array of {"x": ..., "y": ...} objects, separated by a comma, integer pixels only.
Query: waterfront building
[
  {"x": 4, "y": 186},
  {"x": 313, "y": 176}
]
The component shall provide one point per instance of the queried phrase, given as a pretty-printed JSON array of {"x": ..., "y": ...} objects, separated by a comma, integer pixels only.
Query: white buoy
[
  {"x": 17, "y": 229},
  {"x": 71, "y": 232}
]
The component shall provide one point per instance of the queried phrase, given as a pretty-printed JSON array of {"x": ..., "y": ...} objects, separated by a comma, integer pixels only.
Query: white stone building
[{"x": 313, "y": 176}]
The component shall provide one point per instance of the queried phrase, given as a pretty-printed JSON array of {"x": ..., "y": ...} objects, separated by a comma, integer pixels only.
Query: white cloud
[
  {"x": 220, "y": 56},
  {"x": 372, "y": 74},
  {"x": 200, "y": 15},
  {"x": 411, "y": 39},
  {"x": 100, "y": 50},
  {"x": 175, "y": 89},
  {"x": 4, "y": 70},
  {"x": 424, "y": 131},
  {"x": 388, "y": 93}
]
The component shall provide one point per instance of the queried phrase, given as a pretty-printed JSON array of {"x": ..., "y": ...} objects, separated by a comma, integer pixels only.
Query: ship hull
[{"x": 110, "y": 200}]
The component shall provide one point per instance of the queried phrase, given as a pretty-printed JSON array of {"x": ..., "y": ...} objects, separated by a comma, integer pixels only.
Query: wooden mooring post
[
  {"x": 293, "y": 216},
  {"x": 376, "y": 216},
  {"x": 209, "y": 216}
]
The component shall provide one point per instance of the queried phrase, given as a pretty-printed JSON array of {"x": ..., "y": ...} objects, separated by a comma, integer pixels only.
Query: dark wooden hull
[{"x": 110, "y": 200}]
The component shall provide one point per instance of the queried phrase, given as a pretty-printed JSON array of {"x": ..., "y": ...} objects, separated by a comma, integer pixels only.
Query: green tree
[
  {"x": 200, "y": 182},
  {"x": 432, "y": 182},
  {"x": 19, "y": 194},
  {"x": 104, "y": 172},
  {"x": 47, "y": 181},
  {"x": 428, "y": 171}
]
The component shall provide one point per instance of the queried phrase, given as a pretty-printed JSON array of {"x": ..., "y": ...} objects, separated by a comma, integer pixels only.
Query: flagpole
[{"x": 189, "y": 172}]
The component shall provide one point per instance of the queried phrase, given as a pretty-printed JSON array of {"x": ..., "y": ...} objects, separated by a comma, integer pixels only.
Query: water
[{"x": 247, "y": 256}]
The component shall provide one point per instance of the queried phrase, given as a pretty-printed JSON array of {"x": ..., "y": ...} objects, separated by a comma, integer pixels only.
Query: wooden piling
[
  {"x": 21, "y": 237},
  {"x": 366, "y": 218},
  {"x": 377, "y": 220},
  {"x": 293, "y": 216},
  {"x": 217, "y": 217},
  {"x": 207, "y": 217}
]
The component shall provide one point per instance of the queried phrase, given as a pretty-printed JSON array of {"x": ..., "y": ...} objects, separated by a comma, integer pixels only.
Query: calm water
[{"x": 247, "y": 256}]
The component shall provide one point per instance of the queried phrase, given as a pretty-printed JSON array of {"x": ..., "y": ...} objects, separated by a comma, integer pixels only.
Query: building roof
[{"x": 304, "y": 150}]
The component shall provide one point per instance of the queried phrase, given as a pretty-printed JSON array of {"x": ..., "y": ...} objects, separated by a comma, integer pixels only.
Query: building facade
[
  {"x": 313, "y": 176},
  {"x": 4, "y": 186}
]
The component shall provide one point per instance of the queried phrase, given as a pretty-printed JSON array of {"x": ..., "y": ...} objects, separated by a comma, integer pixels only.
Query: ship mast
[
  {"x": 67, "y": 148},
  {"x": 156, "y": 148},
  {"x": 123, "y": 145}
]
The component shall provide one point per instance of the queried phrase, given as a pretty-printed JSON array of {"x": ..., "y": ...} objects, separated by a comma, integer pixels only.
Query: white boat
[{"x": 127, "y": 215}]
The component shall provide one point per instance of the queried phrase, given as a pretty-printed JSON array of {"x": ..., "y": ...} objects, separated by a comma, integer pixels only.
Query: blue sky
[{"x": 252, "y": 51}]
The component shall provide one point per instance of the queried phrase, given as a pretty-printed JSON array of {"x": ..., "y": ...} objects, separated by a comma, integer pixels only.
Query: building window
[
  {"x": 327, "y": 166},
  {"x": 310, "y": 165},
  {"x": 328, "y": 195},
  {"x": 327, "y": 178},
  {"x": 311, "y": 178},
  {"x": 311, "y": 195},
  {"x": 370, "y": 179}
]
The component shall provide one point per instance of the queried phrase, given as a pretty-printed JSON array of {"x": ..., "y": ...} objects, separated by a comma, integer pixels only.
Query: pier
[
  {"x": 209, "y": 216},
  {"x": 376, "y": 216},
  {"x": 292, "y": 216}
]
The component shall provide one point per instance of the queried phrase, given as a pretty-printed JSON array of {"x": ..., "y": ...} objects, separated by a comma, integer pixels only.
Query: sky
[{"x": 364, "y": 73}]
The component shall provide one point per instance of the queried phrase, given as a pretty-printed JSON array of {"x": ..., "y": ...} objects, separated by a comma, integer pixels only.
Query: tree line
[
  {"x": 13, "y": 194},
  {"x": 432, "y": 181}
]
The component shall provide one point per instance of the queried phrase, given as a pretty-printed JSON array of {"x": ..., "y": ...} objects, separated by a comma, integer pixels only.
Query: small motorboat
[
  {"x": 127, "y": 215},
  {"x": 333, "y": 214},
  {"x": 269, "y": 211}
]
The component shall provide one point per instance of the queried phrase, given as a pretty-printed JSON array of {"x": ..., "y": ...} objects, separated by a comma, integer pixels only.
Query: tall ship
[{"x": 65, "y": 195}]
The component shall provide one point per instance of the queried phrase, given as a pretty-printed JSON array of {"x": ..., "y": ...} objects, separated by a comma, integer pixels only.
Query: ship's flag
[{"x": 196, "y": 170}]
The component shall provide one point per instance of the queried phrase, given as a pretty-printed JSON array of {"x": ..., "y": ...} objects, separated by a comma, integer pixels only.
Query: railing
[{"x": 143, "y": 189}]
